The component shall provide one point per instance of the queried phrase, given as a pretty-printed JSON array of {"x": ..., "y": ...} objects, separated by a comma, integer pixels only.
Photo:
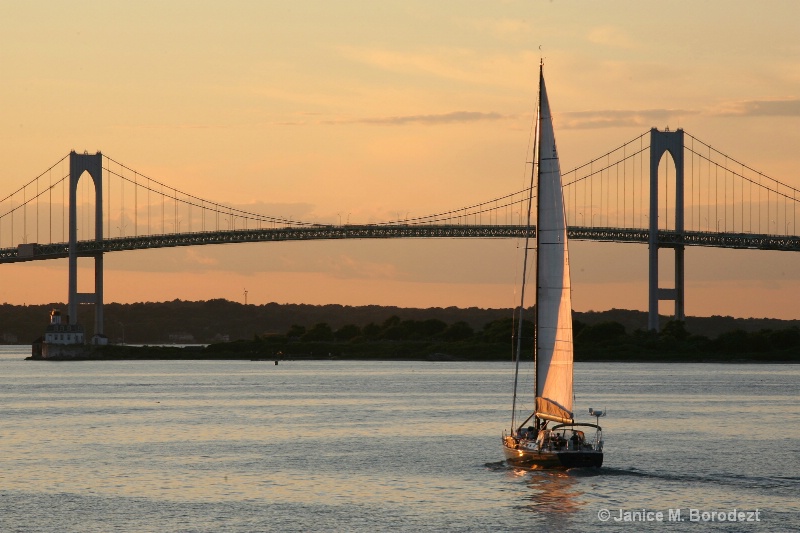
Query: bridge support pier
[
  {"x": 661, "y": 142},
  {"x": 78, "y": 164}
]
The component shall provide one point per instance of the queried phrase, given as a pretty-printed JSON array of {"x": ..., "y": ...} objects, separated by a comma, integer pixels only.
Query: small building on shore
[
  {"x": 62, "y": 340},
  {"x": 62, "y": 333}
]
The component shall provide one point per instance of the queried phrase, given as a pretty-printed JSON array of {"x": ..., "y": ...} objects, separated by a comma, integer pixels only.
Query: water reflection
[{"x": 551, "y": 492}]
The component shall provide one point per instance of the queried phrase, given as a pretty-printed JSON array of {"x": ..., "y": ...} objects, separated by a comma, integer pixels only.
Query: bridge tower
[
  {"x": 93, "y": 165},
  {"x": 661, "y": 142}
]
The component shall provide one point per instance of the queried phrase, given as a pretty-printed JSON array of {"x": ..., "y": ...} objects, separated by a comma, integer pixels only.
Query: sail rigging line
[{"x": 534, "y": 173}]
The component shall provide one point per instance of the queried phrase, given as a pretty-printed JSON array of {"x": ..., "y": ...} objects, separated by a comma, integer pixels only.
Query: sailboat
[{"x": 549, "y": 437}]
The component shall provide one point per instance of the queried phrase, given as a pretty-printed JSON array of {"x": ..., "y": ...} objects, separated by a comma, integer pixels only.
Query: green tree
[
  {"x": 675, "y": 329},
  {"x": 347, "y": 332},
  {"x": 371, "y": 331},
  {"x": 458, "y": 331},
  {"x": 736, "y": 341},
  {"x": 505, "y": 330},
  {"x": 784, "y": 339},
  {"x": 319, "y": 332},
  {"x": 577, "y": 327},
  {"x": 398, "y": 331},
  {"x": 603, "y": 332},
  {"x": 295, "y": 332},
  {"x": 428, "y": 329},
  {"x": 390, "y": 322}
]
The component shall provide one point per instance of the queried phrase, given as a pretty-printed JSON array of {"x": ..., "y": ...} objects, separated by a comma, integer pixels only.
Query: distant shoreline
[
  {"x": 219, "y": 353},
  {"x": 203, "y": 322}
]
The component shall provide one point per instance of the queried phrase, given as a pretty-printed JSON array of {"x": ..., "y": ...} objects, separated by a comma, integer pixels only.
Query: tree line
[
  {"x": 603, "y": 341},
  {"x": 614, "y": 334},
  {"x": 610, "y": 341}
]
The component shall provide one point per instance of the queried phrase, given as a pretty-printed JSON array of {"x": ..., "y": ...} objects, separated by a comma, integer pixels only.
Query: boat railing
[{"x": 556, "y": 439}]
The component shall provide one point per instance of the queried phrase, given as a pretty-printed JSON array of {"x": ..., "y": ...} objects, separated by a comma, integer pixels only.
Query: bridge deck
[{"x": 37, "y": 252}]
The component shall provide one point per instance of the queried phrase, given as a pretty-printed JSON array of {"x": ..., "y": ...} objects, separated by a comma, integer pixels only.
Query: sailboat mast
[{"x": 518, "y": 351}]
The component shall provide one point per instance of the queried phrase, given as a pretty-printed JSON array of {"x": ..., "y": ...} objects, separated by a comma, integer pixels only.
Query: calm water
[{"x": 344, "y": 446}]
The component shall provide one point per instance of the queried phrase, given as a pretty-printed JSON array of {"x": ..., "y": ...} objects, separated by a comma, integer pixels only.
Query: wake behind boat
[{"x": 533, "y": 443}]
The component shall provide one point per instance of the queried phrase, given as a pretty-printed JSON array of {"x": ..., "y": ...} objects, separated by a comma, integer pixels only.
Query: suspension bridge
[{"x": 698, "y": 196}]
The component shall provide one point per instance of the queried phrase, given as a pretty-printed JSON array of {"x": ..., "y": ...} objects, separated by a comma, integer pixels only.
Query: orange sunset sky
[{"x": 365, "y": 111}]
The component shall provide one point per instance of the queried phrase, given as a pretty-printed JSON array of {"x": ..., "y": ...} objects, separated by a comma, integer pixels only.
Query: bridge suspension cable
[
  {"x": 759, "y": 200},
  {"x": 187, "y": 200},
  {"x": 611, "y": 191}
]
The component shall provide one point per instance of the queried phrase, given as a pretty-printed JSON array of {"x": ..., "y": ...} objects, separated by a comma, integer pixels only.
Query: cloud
[
  {"x": 616, "y": 118},
  {"x": 608, "y": 118},
  {"x": 761, "y": 108},
  {"x": 442, "y": 118}
]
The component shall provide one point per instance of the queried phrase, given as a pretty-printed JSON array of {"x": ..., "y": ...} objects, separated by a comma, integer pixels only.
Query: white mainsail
[{"x": 554, "y": 349}]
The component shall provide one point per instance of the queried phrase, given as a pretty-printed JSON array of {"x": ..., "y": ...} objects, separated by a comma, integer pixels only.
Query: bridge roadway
[{"x": 666, "y": 238}]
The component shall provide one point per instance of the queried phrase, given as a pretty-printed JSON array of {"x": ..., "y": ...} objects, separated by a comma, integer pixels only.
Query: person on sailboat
[{"x": 576, "y": 440}]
